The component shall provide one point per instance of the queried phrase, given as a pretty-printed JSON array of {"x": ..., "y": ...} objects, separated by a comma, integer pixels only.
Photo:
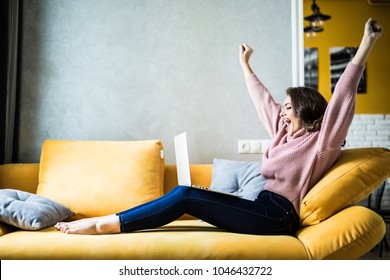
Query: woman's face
[{"x": 289, "y": 118}]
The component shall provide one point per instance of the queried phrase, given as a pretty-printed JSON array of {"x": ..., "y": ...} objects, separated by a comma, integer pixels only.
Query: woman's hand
[
  {"x": 245, "y": 53},
  {"x": 373, "y": 30}
]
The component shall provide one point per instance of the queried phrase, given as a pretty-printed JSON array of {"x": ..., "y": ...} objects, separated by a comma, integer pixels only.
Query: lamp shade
[{"x": 317, "y": 15}]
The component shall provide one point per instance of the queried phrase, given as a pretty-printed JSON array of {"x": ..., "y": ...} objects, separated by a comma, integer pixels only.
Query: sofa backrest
[
  {"x": 97, "y": 178},
  {"x": 21, "y": 176},
  {"x": 201, "y": 175}
]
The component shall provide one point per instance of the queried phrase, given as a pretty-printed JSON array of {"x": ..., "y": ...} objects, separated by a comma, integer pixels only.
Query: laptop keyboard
[{"x": 200, "y": 187}]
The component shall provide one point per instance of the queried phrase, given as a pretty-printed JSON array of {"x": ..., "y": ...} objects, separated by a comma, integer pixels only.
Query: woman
[{"x": 307, "y": 136}]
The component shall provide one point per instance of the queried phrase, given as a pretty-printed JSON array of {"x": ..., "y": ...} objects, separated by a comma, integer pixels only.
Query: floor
[{"x": 374, "y": 254}]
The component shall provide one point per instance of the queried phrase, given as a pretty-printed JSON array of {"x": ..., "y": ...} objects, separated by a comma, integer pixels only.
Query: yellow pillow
[
  {"x": 95, "y": 178},
  {"x": 354, "y": 176}
]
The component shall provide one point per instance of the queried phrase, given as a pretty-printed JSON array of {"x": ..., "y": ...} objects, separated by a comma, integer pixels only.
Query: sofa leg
[{"x": 381, "y": 247}]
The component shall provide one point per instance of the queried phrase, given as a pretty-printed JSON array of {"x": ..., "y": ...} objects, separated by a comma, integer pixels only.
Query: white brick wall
[{"x": 371, "y": 131}]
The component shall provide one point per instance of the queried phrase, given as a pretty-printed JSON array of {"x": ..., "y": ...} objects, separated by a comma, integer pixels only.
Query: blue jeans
[{"x": 268, "y": 214}]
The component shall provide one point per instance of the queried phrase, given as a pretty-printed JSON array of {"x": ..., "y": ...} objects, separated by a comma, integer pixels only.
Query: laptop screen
[{"x": 182, "y": 160}]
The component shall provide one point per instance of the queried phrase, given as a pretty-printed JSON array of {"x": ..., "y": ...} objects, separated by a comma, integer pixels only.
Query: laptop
[{"x": 183, "y": 165}]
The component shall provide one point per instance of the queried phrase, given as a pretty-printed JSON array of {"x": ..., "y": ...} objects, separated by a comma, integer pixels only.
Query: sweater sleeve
[
  {"x": 341, "y": 109},
  {"x": 267, "y": 109}
]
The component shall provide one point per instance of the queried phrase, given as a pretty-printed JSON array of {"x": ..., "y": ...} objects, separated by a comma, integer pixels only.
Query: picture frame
[
  {"x": 339, "y": 59},
  {"x": 311, "y": 67}
]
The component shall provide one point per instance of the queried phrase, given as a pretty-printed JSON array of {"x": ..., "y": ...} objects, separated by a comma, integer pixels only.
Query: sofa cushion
[
  {"x": 237, "y": 177},
  {"x": 29, "y": 211},
  {"x": 95, "y": 178},
  {"x": 179, "y": 240},
  {"x": 354, "y": 176}
]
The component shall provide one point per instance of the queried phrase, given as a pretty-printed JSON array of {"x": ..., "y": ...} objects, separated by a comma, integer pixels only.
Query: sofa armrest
[
  {"x": 21, "y": 176},
  {"x": 345, "y": 235}
]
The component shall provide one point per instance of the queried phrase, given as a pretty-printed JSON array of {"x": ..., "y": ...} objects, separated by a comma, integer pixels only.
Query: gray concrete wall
[{"x": 149, "y": 69}]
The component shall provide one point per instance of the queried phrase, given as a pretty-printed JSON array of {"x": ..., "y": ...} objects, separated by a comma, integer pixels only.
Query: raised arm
[
  {"x": 267, "y": 109},
  {"x": 341, "y": 109}
]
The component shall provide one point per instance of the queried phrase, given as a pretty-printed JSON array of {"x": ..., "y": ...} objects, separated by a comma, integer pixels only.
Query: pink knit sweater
[{"x": 293, "y": 164}]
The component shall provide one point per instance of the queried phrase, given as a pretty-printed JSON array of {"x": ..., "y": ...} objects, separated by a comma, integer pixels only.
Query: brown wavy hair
[{"x": 309, "y": 105}]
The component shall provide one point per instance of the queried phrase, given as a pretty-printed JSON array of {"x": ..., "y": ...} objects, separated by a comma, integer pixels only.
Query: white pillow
[
  {"x": 238, "y": 177},
  {"x": 30, "y": 211}
]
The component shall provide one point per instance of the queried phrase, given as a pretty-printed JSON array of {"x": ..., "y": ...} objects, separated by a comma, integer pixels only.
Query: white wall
[{"x": 149, "y": 69}]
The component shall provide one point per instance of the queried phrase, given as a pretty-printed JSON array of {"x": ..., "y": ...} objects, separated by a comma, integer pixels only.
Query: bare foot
[{"x": 100, "y": 225}]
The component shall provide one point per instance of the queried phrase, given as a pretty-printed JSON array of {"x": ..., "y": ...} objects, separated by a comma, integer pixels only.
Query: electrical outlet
[
  {"x": 256, "y": 146},
  {"x": 244, "y": 146},
  {"x": 249, "y": 146}
]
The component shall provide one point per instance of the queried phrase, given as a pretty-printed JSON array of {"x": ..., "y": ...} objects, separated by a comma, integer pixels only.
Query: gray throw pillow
[
  {"x": 30, "y": 211},
  {"x": 238, "y": 177}
]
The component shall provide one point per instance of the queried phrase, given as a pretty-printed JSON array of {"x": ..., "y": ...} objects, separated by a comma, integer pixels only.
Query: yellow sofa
[{"x": 101, "y": 177}]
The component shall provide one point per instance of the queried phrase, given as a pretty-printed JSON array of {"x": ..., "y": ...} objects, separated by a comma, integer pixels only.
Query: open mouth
[{"x": 288, "y": 123}]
